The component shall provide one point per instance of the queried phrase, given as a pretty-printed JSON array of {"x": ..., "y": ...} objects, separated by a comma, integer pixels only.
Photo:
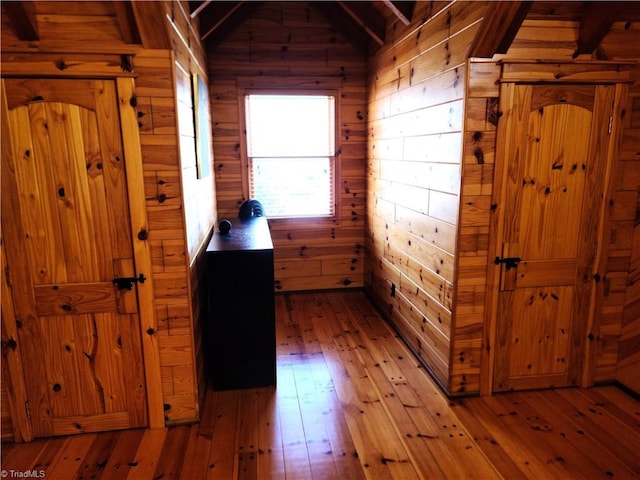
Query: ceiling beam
[
  {"x": 499, "y": 27},
  {"x": 197, "y": 7},
  {"x": 342, "y": 23},
  {"x": 127, "y": 22},
  {"x": 595, "y": 24},
  {"x": 369, "y": 19},
  {"x": 219, "y": 19},
  {"x": 217, "y": 13},
  {"x": 401, "y": 9},
  {"x": 152, "y": 24},
  {"x": 22, "y": 16}
]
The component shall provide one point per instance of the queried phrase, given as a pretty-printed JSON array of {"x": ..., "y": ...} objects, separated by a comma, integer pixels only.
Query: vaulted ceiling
[
  {"x": 363, "y": 23},
  {"x": 360, "y": 21}
]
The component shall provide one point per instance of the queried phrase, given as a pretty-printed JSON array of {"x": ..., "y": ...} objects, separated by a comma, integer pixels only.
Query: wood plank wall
[
  {"x": 477, "y": 177},
  {"x": 626, "y": 237},
  {"x": 617, "y": 341},
  {"x": 293, "y": 44},
  {"x": 6, "y": 425},
  {"x": 188, "y": 381},
  {"x": 416, "y": 116},
  {"x": 176, "y": 197},
  {"x": 178, "y": 225},
  {"x": 619, "y": 356},
  {"x": 427, "y": 257}
]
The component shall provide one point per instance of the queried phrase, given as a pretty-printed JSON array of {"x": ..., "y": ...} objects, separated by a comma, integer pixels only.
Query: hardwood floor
[{"x": 352, "y": 403}]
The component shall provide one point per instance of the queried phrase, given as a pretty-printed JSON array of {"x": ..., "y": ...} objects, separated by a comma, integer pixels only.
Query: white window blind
[{"x": 291, "y": 153}]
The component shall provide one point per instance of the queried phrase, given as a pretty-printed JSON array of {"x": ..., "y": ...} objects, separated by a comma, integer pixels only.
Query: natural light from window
[{"x": 291, "y": 148}]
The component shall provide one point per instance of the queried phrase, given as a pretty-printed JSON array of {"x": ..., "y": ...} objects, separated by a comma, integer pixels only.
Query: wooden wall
[
  {"x": 626, "y": 324},
  {"x": 432, "y": 117},
  {"x": 84, "y": 35},
  {"x": 617, "y": 339},
  {"x": 416, "y": 177},
  {"x": 291, "y": 44},
  {"x": 416, "y": 118},
  {"x": 619, "y": 356},
  {"x": 6, "y": 424},
  {"x": 184, "y": 207}
]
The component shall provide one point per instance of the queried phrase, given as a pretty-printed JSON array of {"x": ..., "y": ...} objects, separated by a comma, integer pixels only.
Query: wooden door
[
  {"x": 67, "y": 235},
  {"x": 556, "y": 148}
]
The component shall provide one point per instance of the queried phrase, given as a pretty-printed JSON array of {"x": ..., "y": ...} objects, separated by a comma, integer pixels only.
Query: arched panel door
[
  {"x": 67, "y": 235},
  {"x": 556, "y": 147}
]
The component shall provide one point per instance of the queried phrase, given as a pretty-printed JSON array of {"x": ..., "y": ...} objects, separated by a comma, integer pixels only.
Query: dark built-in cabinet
[{"x": 240, "y": 332}]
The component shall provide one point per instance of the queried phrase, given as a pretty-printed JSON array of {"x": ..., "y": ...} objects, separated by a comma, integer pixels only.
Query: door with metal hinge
[
  {"x": 556, "y": 141},
  {"x": 69, "y": 254}
]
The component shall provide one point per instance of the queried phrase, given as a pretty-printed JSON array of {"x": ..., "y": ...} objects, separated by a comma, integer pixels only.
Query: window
[{"x": 291, "y": 153}]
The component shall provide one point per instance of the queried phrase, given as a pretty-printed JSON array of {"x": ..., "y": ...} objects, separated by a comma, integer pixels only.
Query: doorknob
[
  {"x": 126, "y": 283},
  {"x": 510, "y": 262}
]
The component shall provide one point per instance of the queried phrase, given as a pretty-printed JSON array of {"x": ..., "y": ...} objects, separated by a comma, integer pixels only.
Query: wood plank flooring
[{"x": 353, "y": 403}]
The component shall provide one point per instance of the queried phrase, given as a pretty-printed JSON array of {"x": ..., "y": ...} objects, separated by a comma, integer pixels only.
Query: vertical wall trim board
[{"x": 139, "y": 229}]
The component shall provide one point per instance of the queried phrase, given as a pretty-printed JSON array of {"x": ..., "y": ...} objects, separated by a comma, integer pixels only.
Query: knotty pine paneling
[
  {"x": 618, "y": 314},
  {"x": 293, "y": 44},
  {"x": 180, "y": 208},
  {"x": 165, "y": 209},
  {"x": 625, "y": 246},
  {"x": 71, "y": 27},
  {"x": 410, "y": 79},
  {"x": 416, "y": 118},
  {"x": 473, "y": 236},
  {"x": 6, "y": 425},
  {"x": 181, "y": 216}
]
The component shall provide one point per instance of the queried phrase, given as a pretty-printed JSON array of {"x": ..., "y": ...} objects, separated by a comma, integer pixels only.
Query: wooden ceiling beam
[
  {"x": 499, "y": 27},
  {"x": 343, "y": 24},
  {"x": 401, "y": 9},
  {"x": 369, "y": 19},
  {"x": 22, "y": 16},
  {"x": 217, "y": 13},
  {"x": 152, "y": 25},
  {"x": 595, "y": 24},
  {"x": 197, "y": 7},
  {"x": 219, "y": 19},
  {"x": 127, "y": 22}
]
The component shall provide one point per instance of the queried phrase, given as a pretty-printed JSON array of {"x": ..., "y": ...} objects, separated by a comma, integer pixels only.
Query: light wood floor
[{"x": 351, "y": 403}]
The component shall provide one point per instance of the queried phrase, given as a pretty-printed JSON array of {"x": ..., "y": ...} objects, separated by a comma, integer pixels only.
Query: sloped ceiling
[
  {"x": 362, "y": 22},
  {"x": 503, "y": 19}
]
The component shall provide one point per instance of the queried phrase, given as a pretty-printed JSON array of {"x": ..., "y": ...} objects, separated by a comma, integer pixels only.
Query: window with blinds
[{"x": 291, "y": 153}]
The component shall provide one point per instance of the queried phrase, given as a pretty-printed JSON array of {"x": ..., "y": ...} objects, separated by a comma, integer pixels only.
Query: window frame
[{"x": 324, "y": 90}]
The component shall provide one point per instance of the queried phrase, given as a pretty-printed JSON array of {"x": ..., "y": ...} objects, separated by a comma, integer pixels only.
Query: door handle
[
  {"x": 126, "y": 283},
  {"x": 509, "y": 262}
]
